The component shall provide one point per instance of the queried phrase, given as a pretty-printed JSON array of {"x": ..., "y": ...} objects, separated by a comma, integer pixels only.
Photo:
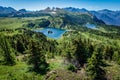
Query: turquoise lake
[
  {"x": 52, "y": 32},
  {"x": 92, "y": 26}
]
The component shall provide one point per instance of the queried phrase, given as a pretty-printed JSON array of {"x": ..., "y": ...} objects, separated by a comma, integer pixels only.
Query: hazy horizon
[{"x": 34, "y": 5}]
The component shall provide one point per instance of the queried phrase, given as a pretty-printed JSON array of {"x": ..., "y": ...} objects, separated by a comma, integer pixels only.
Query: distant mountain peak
[
  {"x": 7, "y": 9},
  {"x": 72, "y": 9},
  {"x": 23, "y": 10},
  {"x": 105, "y": 11}
]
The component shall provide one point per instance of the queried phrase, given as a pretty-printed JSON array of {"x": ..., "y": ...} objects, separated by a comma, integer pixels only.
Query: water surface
[
  {"x": 52, "y": 32},
  {"x": 92, "y": 26}
]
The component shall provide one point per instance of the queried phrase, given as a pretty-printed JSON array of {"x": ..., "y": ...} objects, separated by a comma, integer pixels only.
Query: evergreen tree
[
  {"x": 116, "y": 57},
  {"x": 8, "y": 52},
  {"x": 68, "y": 56},
  {"x": 108, "y": 53},
  {"x": 94, "y": 67},
  {"x": 37, "y": 57},
  {"x": 80, "y": 52}
]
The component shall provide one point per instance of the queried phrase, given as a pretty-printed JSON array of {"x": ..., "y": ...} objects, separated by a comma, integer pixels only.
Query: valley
[{"x": 63, "y": 45}]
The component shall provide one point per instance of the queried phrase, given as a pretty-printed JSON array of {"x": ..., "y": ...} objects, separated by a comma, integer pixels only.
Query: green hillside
[{"x": 80, "y": 54}]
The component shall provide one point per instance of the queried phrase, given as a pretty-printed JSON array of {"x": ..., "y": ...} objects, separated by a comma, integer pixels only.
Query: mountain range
[{"x": 108, "y": 16}]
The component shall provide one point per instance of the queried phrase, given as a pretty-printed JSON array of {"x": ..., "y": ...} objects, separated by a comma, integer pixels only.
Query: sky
[{"x": 42, "y": 4}]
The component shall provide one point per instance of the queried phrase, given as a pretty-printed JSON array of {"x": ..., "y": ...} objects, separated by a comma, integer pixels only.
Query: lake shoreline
[{"x": 52, "y": 32}]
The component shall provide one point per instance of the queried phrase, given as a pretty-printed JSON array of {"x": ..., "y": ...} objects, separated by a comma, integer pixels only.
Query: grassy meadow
[{"x": 57, "y": 54}]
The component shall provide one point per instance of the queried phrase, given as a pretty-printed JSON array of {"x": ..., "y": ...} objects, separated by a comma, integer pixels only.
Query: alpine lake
[{"x": 52, "y": 32}]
